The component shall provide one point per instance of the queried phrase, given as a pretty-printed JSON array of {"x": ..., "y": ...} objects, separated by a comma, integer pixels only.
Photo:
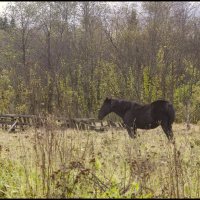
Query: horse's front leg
[
  {"x": 131, "y": 131},
  {"x": 128, "y": 128},
  {"x": 130, "y": 124}
]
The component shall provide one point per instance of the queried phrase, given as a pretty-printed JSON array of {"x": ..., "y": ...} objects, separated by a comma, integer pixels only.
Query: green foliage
[
  {"x": 130, "y": 89},
  {"x": 112, "y": 192},
  {"x": 106, "y": 75},
  {"x": 195, "y": 103},
  {"x": 80, "y": 95},
  {"x": 6, "y": 92},
  {"x": 151, "y": 86},
  {"x": 66, "y": 95},
  {"x": 11, "y": 179},
  {"x": 21, "y": 96},
  {"x": 107, "y": 81},
  {"x": 93, "y": 97},
  {"x": 70, "y": 184},
  {"x": 187, "y": 93},
  {"x": 146, "y": 83},
  {"x": 98, "y": 165}
]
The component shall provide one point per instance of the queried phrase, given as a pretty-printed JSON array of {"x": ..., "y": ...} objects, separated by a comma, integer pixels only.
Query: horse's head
[{"x": 105, "y": 108}]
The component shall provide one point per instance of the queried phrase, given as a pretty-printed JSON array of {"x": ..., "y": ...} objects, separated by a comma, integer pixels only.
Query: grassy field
[{"x": 55, "y": 163}]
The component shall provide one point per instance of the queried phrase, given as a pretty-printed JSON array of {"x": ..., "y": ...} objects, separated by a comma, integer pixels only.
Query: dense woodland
[{"x": 64, "y": 58}]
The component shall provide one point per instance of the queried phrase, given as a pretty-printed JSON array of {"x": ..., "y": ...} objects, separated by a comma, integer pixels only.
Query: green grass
[{"x": 69, "y": 164}]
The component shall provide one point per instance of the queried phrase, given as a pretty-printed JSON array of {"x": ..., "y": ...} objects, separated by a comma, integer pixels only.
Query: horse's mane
[
  {"x": 124, "y": 101},
  {"x": 126, "y": 104}
]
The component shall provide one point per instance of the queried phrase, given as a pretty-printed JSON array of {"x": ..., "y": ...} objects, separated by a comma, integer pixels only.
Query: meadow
[{"x": 53, "y": 163}]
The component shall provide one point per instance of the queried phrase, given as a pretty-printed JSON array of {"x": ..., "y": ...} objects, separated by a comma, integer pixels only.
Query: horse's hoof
[
  {"x": 133, "y": 136},
  {"x": 172, "y": 140}
]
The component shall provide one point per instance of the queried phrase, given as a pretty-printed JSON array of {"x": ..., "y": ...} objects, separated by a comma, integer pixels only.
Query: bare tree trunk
[{"x": 50, "y": 90}]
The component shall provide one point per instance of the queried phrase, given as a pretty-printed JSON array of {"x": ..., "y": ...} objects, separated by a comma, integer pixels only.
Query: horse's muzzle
[{"x": 100, "y": 117}]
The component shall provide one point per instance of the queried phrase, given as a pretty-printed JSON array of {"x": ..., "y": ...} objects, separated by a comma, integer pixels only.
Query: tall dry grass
[{"x": 54, "y": 163}]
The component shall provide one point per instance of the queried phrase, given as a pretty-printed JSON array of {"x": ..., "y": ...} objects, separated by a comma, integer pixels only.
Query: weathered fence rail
[{"x": 11, "y": 122}]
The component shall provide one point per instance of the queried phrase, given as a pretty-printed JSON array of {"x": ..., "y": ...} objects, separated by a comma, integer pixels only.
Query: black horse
[{"x": 135, "y": 116}]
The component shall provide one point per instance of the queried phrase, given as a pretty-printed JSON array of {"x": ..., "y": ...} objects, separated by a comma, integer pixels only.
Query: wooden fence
[{"x": 11, "y": 122}]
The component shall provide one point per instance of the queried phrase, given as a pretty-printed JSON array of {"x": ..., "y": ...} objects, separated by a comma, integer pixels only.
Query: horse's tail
[{"x": 171, "y": 112}]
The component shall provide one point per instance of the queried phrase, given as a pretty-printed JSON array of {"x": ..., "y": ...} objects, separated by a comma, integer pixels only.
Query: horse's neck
[
  {"x": 121, "y": 108},
  {"x": 121, "y": 114}
]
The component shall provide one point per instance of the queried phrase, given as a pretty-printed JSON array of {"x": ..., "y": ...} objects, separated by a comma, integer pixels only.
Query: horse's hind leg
[
  {"x": 171, "y": 135},
  {"x": 167, "y": 128}
]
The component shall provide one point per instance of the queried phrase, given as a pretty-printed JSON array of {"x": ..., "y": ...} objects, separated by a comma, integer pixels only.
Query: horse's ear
[{"x": 108, "y": 99}]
